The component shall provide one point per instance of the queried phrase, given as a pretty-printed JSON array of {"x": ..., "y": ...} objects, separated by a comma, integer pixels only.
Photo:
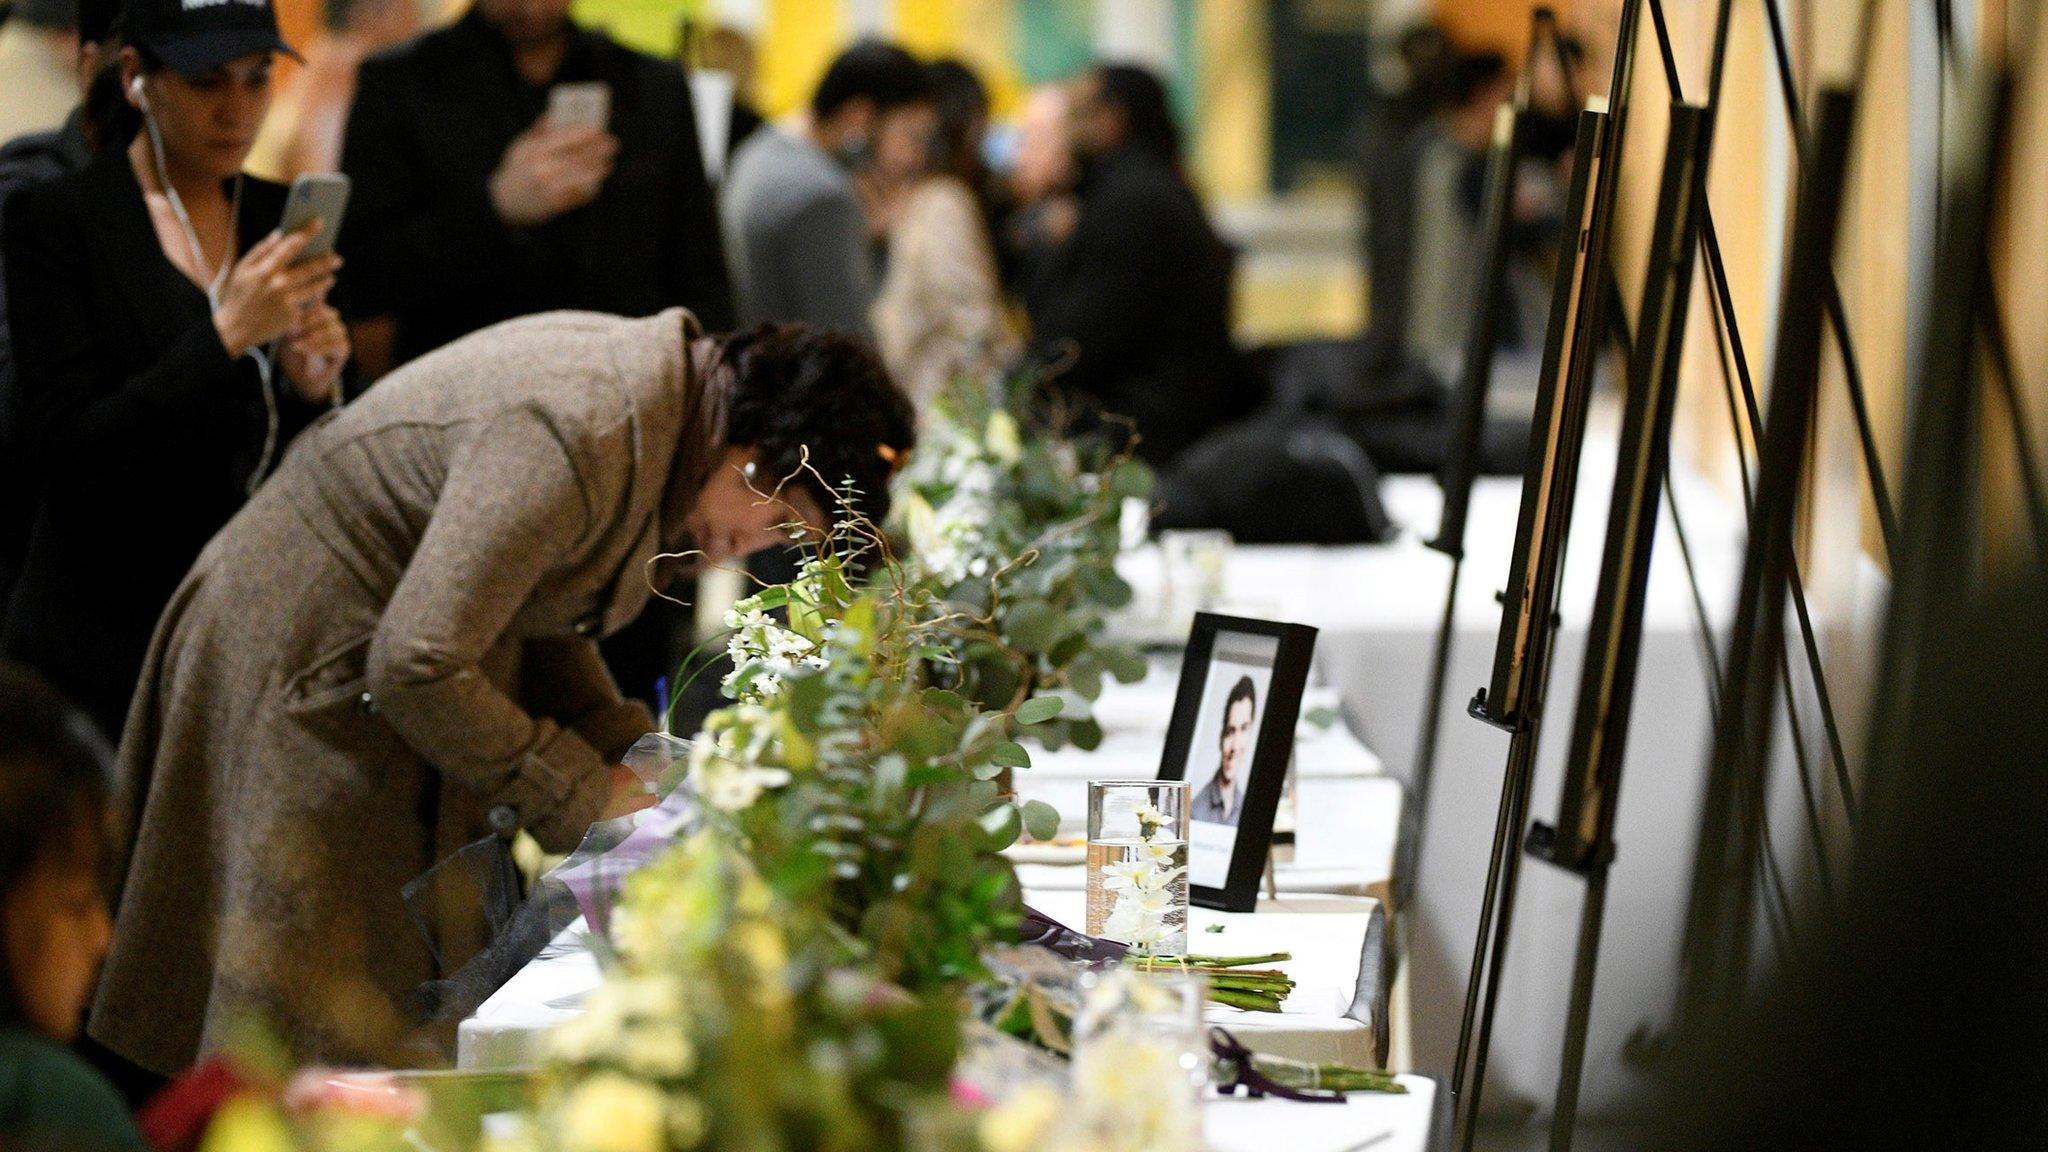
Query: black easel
[
  {"x": 1939, "y": 531},
  {"x": 1513, "y": 700},
  {"x": 1475, "y": 381},
  {"x": 1582, "y": 840}
]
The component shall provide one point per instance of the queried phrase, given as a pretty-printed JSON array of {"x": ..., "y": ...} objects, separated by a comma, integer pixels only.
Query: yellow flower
[
  {"x": 1005, "y": 442},
  {"x": 761, "y": 945},
  {"x": 1020, "y": 1123},
  {"x": 247, "y": 1123},
  {"x": 686, "y": 1122},
  {"x": 614, "y": 1113},
  {"x": 660, "y": 1051}
]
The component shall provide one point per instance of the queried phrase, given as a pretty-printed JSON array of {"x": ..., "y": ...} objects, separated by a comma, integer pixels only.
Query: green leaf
[
  {"x": 1130, "y": 479},
  {"x": 1085, "y": 678},
  {"x": 1087, "y": 734},
  {"x": 1002, "y": 825},
  {"x": 942, "y": 699},
  {"x": 1125, "y": 663},
  {"x": 1034, "y": 625},
  {"x": 1010, "y": 754},
  {"x": 1039, "y": 709},
  {"x": 1042, "y": 820}
]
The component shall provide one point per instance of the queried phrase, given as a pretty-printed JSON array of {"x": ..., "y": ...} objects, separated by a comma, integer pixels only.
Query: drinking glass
[{"x": 1141, "y": 1059}]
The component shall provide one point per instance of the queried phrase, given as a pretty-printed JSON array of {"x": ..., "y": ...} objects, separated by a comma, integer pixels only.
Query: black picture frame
[{"x": 1293, "y": 650}]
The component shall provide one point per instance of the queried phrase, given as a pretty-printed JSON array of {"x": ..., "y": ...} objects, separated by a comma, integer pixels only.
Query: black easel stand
[
  {"x": 1461, "y": 458},
  {"x": 1514, "y": 697},
  {"x": 1582, "y": 841},
  {"x": 1939, "y": 532}
]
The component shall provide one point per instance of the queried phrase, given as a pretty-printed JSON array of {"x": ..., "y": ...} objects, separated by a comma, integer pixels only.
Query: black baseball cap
[{"x": 194, "y": 36}]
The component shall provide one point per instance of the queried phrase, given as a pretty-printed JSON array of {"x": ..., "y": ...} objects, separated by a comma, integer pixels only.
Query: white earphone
[{"x": 264, "y": 357}]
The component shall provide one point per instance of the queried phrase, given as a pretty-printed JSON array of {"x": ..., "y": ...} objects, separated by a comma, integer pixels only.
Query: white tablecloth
[
  {"x": 1377, "y": 609},
  {"x": 1327, "y": 936}
]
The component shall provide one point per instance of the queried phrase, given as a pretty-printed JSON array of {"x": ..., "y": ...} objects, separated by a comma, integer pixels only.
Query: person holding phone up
[
  {"x": 169, "y": 341},
  {"x": 513, "y": 163}
]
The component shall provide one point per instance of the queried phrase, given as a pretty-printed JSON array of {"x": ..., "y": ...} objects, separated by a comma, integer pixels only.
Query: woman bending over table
[{"x": 390, "y": 654}]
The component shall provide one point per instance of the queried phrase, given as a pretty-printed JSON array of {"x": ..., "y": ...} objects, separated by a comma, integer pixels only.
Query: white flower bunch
[
  {"x": 763, "y": 652},
  {"x": 1144, "y": 884},
  {"x": 732, "y": 761}
]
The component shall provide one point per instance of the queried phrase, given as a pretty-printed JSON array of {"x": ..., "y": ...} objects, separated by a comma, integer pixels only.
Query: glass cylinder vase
[
  {"x": 1138, "y": 864},
  {"x": 1141, "y": 1061}
]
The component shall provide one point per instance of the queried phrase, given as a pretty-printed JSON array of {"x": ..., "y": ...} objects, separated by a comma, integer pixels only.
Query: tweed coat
[{"x": 389, "y": 653}]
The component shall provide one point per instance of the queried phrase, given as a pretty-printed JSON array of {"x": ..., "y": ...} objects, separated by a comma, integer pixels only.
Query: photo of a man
[{"x": 1222, "y": 798}]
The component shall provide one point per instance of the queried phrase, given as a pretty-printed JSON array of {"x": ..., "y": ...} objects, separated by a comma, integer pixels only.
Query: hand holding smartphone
[{"x": 581, "y": 105}]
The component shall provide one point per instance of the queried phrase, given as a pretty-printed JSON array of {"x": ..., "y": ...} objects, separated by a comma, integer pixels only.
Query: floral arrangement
[
  {"x": 736, "y": 1018},
  {"x": 1020, "y": 534}
]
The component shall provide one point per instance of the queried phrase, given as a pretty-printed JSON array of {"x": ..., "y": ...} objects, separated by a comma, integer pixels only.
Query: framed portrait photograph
[{"x": 1231, "y": 739}]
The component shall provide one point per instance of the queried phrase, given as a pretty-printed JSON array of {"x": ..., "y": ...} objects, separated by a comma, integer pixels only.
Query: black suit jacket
[
  {"x": 430, "y": 123},
  {"x": 139, "y": 431},
  {"x": 1142, "y": 292}
]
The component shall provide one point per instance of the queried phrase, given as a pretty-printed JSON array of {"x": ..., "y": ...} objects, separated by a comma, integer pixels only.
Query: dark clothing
[
  {"x": 142, "y": 433},
  {"x": 25, "y": 162},
  {"x": 432, "y": 120},
  {"x": 1142, "y": 292},
  {"x": 52, "y": 1100},
  {"x": 1211, "y": 808}
]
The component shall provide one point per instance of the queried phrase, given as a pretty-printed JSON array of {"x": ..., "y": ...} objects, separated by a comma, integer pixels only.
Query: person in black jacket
[
  {"x": 167, "y": 344},
  {"x": 26, "y": 161},
  {"x": 472, "y": 206},
  {"x": 1140, "y": 293}
]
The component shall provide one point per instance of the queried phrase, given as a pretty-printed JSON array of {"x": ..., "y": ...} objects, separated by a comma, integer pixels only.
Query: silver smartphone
[
  {"x": 324, "y": 195},
  {"x": 584, "y": 105}
]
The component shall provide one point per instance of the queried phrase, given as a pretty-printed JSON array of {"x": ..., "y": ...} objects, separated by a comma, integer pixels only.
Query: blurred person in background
[
  {"x": 25, "y": 161},
  {"x": 724, "y": 48},
  {"x": 1139, "y": 295},
  {"x": 469, "y": 527},
  {"x": 168, "y": 343},
  {"x": 798, "y": 228},
  {"x": 1042, "y": 207},
  {"x": 472, "y": 205},
  {"x": 303, "y": 132},
  {"x": 940, "y": 312},
  {"x": 1443, "y": 231},
  {"x": 39, "y": 44},
  {"x": 54, "y": 855}
]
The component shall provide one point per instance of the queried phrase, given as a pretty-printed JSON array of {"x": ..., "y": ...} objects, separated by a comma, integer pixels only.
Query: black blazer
[
  {"x": 138, "y": 429},
  {"x": 430, "y": 123}
]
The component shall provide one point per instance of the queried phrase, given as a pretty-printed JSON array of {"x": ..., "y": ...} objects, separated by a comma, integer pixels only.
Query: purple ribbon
[{"x": 1238, "y": 1060}]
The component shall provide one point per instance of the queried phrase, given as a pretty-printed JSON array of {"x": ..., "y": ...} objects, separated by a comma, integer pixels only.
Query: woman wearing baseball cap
[{"x": 169, "y": 341}]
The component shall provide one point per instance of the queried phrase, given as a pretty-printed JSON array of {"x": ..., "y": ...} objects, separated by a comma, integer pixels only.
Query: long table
[
  {"x": 1329, "y": 936},
  {"x": 1377, "y": 608}
]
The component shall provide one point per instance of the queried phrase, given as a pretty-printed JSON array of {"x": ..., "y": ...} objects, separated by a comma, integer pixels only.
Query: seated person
[
  {"x": 53, "y": 921},
  {"x": 1139, "y": 295}
]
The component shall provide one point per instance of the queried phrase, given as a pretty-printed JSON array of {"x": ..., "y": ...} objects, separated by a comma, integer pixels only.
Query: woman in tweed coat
[{"x": 390, "y": 653}]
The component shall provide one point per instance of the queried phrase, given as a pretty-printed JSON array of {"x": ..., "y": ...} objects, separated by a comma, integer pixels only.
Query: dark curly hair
[{"x": 798, "y": 387}]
